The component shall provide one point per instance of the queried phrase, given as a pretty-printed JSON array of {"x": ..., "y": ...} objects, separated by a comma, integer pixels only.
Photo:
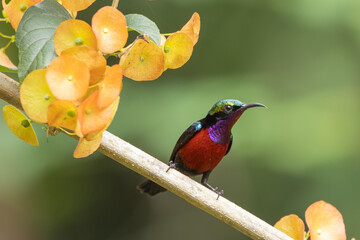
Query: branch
[
  {"x": 115, "y": 3},
  {"x": 174, "y": 181}
]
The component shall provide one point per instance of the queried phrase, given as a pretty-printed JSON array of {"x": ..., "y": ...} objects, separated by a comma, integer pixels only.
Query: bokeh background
[{"x": 301, "y": 58}]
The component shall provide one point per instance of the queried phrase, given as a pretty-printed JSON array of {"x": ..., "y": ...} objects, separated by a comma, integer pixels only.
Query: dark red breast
[{"x": 201, "y": 154}]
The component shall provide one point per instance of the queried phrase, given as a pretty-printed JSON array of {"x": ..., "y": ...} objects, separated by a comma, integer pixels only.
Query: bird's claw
[
  {"x": 171, "y": 165},
  {"x": 214, "y": 189},
  {"x": 219, "y": 193}
]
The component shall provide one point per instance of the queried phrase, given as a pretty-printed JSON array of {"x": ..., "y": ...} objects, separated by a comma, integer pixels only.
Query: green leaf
[
  {"x": 35, "y": 35},
  {"x": 9, "y": 70},
  {"x": 143, "y": 25}
]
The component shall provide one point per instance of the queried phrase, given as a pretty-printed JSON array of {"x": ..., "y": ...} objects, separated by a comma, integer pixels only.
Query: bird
[{"x": 204, "y": 144}]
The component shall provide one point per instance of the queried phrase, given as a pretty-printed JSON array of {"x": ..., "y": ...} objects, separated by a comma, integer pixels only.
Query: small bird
[{"x": 202, "y": 146}]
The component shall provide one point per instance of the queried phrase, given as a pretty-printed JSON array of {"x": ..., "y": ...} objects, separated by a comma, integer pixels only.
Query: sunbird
[{"x": 202, "y": 146}]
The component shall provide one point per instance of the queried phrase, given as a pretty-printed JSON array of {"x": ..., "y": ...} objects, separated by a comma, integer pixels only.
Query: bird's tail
[{"x": 150, "y": 188}]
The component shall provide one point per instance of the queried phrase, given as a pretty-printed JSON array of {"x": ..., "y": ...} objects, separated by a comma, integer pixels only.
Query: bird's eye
[{"x": 228, "y": 108}]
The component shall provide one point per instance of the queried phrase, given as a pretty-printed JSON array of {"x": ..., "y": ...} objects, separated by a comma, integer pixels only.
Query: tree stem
[{"x": 115, "y": 4}]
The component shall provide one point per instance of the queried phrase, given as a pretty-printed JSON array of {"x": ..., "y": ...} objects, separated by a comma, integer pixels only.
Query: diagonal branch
[{"x": 174, "y": 181}]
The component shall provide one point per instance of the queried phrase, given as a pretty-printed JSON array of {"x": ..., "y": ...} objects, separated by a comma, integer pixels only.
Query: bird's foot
[
  {"x": 219, "y": 193},
  {"x": 215, "y": 190},
  {"x": 171, "y": 165}
]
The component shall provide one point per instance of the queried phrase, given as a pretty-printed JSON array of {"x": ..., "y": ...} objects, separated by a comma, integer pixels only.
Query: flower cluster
[
  {"x": 144, "y": 60},
  {"x": 324, "y": 221},
  {"x": 77, "y": 92}
]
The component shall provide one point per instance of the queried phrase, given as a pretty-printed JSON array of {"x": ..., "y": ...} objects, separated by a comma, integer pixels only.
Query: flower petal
[
  {"x": 86, "y": 147},
  {"x": 110, "y": 87},
  {"x": 20, "y": 125},
  {"x": 144, "y": 61},
  {"x": 76, "y": 5},
  {"x": 4, "y": 60},
  {"x": 192, "y": 28},
  {"x": 35, "y": 95},
  {"x": 292, "y": 226},
  {"x": 325, "y": 222},
  {"x": 72, "y": 33},
  {"x": 92, "y": 58},
  {"x": 68, "y": 78},
  {"x": 62, "y": 113},
  {"x": 93, "y": 119},
  {"x": 109, "y": 26},
  {"x": 15, "y": 10},
  {"x": 178, "y": 49},
  {"x": 113, "y": 108}
]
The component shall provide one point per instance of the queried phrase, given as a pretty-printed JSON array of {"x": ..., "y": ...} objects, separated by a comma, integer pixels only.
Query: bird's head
[{"x": 230, "y": 108}]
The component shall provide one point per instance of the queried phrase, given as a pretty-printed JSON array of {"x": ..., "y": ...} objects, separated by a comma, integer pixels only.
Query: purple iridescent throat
[{"x": 220, "y": 132}]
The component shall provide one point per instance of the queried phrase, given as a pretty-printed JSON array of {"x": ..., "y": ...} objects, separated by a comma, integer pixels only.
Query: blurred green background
[{"x": 301, "y": 58}]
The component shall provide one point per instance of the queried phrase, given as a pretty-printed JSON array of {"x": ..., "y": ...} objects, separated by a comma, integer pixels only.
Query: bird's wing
[
  {"x": 185, "y": 137},
  {"x": 230, "y": 143}
]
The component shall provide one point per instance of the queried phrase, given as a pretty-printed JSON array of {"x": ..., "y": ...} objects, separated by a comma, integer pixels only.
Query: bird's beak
[{"x": 251, "y": 105}]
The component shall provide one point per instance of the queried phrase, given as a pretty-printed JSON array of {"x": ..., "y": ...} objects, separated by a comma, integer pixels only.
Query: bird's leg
[
  {"x": 171, "y": 165},
  {"x": 204, "y": 181}
]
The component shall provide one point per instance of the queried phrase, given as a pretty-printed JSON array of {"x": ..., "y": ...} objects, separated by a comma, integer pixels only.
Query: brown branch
[{"x": 174, "y": 181}]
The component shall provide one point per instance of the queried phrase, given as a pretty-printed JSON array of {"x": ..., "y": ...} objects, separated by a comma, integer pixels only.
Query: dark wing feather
[
  {"x": 185, "y": 137},
  {"x": 230, "y": 143}
]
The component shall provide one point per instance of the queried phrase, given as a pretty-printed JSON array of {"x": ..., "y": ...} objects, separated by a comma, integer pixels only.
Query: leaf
[
  {"x": 143, "y": 25},
  {"x": 35, "y": 35},
  {"x": 6, "y": 69}
]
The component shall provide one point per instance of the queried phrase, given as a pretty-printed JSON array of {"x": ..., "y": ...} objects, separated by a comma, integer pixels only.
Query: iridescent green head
[{"x": 225, "y": 108}]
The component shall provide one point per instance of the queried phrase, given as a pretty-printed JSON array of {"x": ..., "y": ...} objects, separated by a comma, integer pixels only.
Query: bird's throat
[{"x": 220, "y": 131}]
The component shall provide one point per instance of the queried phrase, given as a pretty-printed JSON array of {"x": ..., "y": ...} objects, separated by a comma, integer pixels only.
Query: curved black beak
[{"x": 251, "y": 105}]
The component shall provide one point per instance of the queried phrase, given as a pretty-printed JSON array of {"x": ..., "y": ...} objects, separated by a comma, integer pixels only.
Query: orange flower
[
  {"x": 92, "y": 58},
  {"x": 72, "y": 33},
  {"x": 86, "y": 147},
  {"x": 62, "y": 113},
  {"x": 109, "y": 26},
  {"x": 93, "y": 119},
  {"x": 35, "y": 95},
  {"x": 76, "y": 5},
  {"x": 192, "y": 28},
  {"x": 178, "y": 49},
  {"x": 110, "y": 87},
  {"x": 113, "y": 108},
  {"x": 325, "y": 222},
  {"x": 292, "y": 226},
  {"x": 143, "y": 62},
  {"x": 68, "y": 78},
  {"x": 4, "y": 60},
  {"x": 20, "y": 125},
  {"x": 15, "y": 10}
]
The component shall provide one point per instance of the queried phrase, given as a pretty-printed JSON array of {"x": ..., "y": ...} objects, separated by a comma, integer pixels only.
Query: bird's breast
[{"x": 201, "y": 154}]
